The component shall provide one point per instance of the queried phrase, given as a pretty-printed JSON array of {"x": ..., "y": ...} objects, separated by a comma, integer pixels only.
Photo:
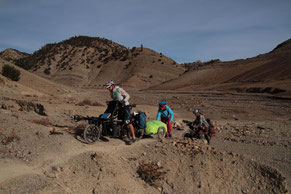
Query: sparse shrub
[
  {"x": 198, "y": 62},
  {"x": 10, "y": 72},
  {"x": 124, "y": 58},
  {"x": 135, "y": 54},
  {"x": 127, "y": 65},
  {"x": 10, "y": 138},
  {"x": 151, "y": 173},
  {"x": 77, "y": 130},
  {"x": 47, "y": 71},
  {"x": 28, "y": 106},
  {"x": 106, "y": 52},
  {"x": 213, "y": 61},
  {"x": 100, "y": 57},
  {"x": 106, "y": 60}
]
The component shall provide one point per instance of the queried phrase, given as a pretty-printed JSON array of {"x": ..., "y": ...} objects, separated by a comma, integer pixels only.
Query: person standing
[
  {"x": 166, "y": 115},
  {"x": 120, "y": 95}
]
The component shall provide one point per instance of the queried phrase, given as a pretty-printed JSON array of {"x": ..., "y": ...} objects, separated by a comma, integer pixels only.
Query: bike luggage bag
[
  {"x": 153, "y": 126},
  {"x": 142, "y": 120}
]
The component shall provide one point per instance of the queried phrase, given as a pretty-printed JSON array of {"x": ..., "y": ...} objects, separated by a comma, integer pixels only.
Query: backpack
[{"x": 142, "y": 120}]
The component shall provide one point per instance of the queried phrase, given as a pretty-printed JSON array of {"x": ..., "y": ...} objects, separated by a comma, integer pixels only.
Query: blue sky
[{"x": 185, "y": 30}]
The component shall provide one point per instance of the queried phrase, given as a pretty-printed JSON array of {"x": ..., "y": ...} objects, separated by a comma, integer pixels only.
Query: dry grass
[
  {"x": 10, "y": 138},
  {"x": 44, "y": 122},
  {"x": 151, "y": 173},
  {"x": 77, "y": 130}
]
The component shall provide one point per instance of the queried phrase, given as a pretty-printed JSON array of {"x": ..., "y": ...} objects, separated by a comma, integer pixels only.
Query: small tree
[{"x": 10, "y": 72}]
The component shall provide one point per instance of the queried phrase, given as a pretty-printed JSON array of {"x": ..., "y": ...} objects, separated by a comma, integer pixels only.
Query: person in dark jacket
[{"x": 201, "y": 124}]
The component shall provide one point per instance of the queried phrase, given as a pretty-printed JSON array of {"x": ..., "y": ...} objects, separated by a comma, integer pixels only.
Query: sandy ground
[{"x": 250, "y": 152}]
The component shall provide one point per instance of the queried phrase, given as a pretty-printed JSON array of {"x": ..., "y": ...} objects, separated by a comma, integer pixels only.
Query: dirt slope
[
  {"x": 271, "y": 70},
  {"x": 242, "y": 156},
  {"x": 31, "y": 84},
  {"x": 12, "y": 55}
]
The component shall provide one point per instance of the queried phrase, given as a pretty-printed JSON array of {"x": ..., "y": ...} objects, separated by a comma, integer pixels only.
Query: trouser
[{"x": 169, "y": 125}]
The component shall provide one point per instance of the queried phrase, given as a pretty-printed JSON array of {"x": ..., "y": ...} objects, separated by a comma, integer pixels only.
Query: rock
[
  {"x": 96, "y": 156},
  {"x": 196, "y": 147},
  {"x": 4, "y": 106},
  {"x": 50, "y": 174},
  {"x": 159, "y": 163},
  {"x": 259, "y": 127},
  {"x": 144, "y": 154}
]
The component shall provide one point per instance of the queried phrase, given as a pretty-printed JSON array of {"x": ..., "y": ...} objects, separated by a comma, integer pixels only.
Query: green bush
[{"x": 10, "y": 72}]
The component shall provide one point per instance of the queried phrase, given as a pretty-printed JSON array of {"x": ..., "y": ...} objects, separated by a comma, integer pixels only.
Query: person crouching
[{"x": 166, "y": 115}]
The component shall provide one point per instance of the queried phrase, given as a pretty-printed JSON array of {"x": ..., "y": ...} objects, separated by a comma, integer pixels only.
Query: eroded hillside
[{"x": 90, "y": 61}]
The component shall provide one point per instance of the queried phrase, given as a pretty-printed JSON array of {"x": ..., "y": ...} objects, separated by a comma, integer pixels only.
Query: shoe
[
  {"x": 132, "y": 141},
  {"x": 170, "y": 134},
  {"x": 207, "y": 138}
]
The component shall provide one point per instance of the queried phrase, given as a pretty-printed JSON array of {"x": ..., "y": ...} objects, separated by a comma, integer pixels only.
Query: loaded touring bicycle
[{"x": 108, "y": 124}]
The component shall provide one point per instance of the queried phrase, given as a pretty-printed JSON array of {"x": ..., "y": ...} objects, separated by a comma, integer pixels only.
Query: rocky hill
[
  {"x": 12, "y": 55},
  {"x": 265, "y": 73},
  {"x": 90, "y": 61},
  {"x": 43, "y": 150}
]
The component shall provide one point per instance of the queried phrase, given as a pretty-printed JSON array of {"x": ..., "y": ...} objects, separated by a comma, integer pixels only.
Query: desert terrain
[{"x": 42, "y": 149}]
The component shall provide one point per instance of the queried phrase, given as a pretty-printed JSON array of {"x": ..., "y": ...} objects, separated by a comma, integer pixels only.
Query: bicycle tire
[
  {"x": 161, "y": 132},
  {"x": 138, "y": 133},
  {"x": 91, "y": 133}
]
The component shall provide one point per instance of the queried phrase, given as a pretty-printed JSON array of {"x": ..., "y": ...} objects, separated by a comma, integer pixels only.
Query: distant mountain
[
  {"x": 270, "y": 73},
  {"x": 12, "y": 55},
  {"x": 90, "y": 61}
]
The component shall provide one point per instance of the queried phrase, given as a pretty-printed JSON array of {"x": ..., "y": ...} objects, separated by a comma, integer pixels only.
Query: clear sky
[{"x": 185, "y": 30}]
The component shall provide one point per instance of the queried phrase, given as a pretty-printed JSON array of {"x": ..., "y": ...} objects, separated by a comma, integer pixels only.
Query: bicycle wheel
[
  {"x": 139, "y": 133},
  {"x": 161, "y": 132},
  {"x": 92, "y": 133}
]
